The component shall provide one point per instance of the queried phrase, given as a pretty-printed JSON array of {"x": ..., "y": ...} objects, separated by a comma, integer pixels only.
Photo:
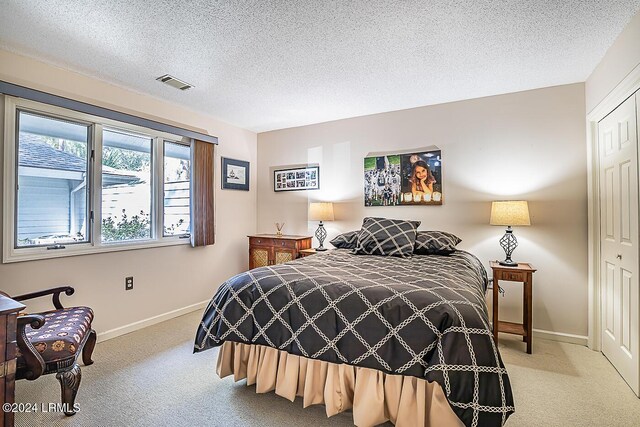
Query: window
[
  {"x": 177, "y": 189},
  {"x": 52, "y": 204},
  {"x": 126, "y": 186},
  {"x": 77, "y": 183}
]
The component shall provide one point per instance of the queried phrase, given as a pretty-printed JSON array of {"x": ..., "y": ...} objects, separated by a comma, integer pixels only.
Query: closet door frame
[{"x": 625, "y": 89}]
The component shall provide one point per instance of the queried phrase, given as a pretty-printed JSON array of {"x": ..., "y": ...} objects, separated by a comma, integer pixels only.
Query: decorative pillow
[
  {"x": 435, "y": 242},
  {"x": 346, "y": 240},
  {"x": 381, "y": 236}
]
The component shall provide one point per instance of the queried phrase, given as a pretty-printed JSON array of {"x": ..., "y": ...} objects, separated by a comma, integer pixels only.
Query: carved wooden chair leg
[
  {"x": 87, "y": 351},
  {"x": 69, "y": 384}
]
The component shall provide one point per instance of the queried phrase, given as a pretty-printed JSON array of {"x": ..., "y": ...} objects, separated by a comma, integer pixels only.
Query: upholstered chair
[{"x": 51, "y": 342}]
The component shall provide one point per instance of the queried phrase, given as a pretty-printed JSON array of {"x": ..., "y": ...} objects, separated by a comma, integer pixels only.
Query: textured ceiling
[{"x": 266, "y": 65}]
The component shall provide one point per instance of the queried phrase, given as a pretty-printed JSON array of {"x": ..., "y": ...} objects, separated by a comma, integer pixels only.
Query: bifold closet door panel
[{"x": 618, "y": 155}]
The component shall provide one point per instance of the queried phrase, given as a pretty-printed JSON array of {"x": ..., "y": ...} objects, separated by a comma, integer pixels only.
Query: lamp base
[
  {"x": 321, "y": 234},
  {"x": 508, "y": 243}
]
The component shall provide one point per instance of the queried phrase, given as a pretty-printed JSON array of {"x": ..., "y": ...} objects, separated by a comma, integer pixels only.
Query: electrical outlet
[{"x": 128, "y": 283}]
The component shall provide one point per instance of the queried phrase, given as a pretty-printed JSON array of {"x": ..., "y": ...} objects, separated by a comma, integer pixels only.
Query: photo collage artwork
[
  {"x": 403, "y": 179},
  {"x": 297, "y": 179}
]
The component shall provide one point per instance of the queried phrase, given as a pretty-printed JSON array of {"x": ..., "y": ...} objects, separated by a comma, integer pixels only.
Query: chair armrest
[
  {"x": 34, "y": 363},
  {"x": 68, "y": 290}
]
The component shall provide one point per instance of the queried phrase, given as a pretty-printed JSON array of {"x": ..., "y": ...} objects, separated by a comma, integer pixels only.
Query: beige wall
[
  {"x": 168, "y": 278},
  {"x": 527, "y": 145},
  {"x": 622, "y": 57}
]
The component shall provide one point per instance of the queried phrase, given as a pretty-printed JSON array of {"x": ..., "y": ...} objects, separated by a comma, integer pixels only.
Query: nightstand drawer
[
  {"x": 262, "y": 241},
  {"x": 514, "y": 276}
]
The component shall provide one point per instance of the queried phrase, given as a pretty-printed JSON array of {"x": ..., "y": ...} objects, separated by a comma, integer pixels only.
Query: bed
[{"x": 400, "y": 339}]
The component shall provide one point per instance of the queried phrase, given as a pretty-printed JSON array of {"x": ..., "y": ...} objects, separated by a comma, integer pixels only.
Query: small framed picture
[
  {"x": 235, "y": 174},
  {"x": 307, "y": 178}
]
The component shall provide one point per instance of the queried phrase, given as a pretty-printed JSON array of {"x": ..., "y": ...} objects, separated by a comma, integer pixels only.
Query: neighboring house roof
[{"x": 36, "y": 153}]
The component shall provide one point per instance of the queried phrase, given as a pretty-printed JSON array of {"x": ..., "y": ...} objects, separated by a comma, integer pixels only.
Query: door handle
[{"x": 619, "y": 256}]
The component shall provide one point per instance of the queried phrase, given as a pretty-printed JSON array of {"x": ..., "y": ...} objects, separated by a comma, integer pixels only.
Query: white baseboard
[
  {"x": 131, "y": 327},
  {"x": 560, "y": 336}
]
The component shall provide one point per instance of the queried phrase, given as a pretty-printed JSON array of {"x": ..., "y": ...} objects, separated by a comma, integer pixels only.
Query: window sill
[{"x": 32, "y": 254}]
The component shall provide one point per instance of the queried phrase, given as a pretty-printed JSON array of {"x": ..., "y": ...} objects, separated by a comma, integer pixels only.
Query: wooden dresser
[
  {"x": 270, "y": 249},
  {"x": 8, "y": 312}
]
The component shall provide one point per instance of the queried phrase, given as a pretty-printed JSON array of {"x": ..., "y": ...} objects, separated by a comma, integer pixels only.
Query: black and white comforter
[{"x": 423, "y": 316}]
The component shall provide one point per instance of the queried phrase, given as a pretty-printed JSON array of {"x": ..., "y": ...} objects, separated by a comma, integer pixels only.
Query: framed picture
[
  {"x": 307, "y": 178},
  {"x": 235, "y": 174},
  {"x": 403, "y": 179}
]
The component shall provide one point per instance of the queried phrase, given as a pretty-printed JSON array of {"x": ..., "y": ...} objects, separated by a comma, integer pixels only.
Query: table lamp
[
  {"x": 321, "y": 211},
  {"x": 509, "y": 213}
]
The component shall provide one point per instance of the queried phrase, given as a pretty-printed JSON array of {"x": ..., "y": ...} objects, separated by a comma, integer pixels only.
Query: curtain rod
[{"x": 59, "y": 101}]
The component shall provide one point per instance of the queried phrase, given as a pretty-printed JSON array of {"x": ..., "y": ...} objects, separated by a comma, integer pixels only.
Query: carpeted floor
[{"x": 151, "y": 378}]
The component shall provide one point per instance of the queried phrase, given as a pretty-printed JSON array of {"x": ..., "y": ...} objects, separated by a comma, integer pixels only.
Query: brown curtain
[{"x": 202, "y": 221}]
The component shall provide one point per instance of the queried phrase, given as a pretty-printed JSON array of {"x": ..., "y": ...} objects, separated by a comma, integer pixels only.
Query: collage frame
[{"x": 296, "y": 179}]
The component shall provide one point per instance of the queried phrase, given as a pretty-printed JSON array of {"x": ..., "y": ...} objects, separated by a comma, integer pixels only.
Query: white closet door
[{"x": 618, "y": 146}]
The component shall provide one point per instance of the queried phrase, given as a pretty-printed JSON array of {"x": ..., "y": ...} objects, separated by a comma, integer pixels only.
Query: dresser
[
  {"x": 8, "y": 312},
  {"x": 271, "y": 249}
]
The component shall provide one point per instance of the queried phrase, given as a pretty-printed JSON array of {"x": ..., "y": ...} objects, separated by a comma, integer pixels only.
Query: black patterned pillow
[
  {"x": 381, "y": 236},
  {"x": 435, "y": 242},
  {"x": 346, "y": 240}
]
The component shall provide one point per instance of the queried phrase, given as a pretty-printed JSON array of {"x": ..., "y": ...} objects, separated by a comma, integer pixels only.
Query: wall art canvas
[
  {"x": 403, "y": 179},
  {"x": 235, "y": 174},
  {"x": 307, "y": 178},
  {"x": 382, "y": 181}
]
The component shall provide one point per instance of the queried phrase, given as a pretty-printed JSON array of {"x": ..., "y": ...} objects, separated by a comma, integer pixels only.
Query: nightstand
[
  {"x": 306, "y": 252},
  {"x": 522, "y": 273}
]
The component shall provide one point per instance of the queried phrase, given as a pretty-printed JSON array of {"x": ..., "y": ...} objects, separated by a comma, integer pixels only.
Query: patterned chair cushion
[
  {"x": 435, "y": 242},
  {"x": 392, "y": 237},
  {"x": 58, "y": 339},
  {"x": 346, "y": 240}
]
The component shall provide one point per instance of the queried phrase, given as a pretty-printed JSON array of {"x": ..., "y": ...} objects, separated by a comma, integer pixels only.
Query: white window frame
[
  {"x": 11, "y": 253},
  {"x": 161, "y": 147}
]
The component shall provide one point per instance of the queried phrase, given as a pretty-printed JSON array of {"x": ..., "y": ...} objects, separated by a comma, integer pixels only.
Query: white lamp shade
[
  {"x": 510, "y": 212},
  {"x": 321, "y": 211}
]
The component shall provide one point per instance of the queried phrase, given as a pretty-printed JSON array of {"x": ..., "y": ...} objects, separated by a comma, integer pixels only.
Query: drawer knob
[
  {"x": 619, "y": 256},
  {"x": 259, "y": 241},
  {"x": 282, "y": 243}
]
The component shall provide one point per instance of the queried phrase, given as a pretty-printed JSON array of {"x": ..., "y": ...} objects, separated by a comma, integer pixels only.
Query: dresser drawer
[
  {"x": 282, "y": 243},
  {"x": 262, "y": 241},
  {"x": 514, "y": 276}
]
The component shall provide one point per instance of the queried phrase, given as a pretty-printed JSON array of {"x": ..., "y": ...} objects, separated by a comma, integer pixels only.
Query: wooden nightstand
[
  {"x": 271, "y": 249},
  {"x": 307, "y": 252},
  {"x": 522, "y": 273}
]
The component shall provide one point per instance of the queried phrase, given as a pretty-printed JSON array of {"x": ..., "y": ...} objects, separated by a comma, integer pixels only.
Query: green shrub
[{"x": 135, "y": 228}]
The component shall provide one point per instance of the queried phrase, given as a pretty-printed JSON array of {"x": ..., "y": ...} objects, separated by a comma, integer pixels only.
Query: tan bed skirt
[{"x": 374, "y": 396}]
